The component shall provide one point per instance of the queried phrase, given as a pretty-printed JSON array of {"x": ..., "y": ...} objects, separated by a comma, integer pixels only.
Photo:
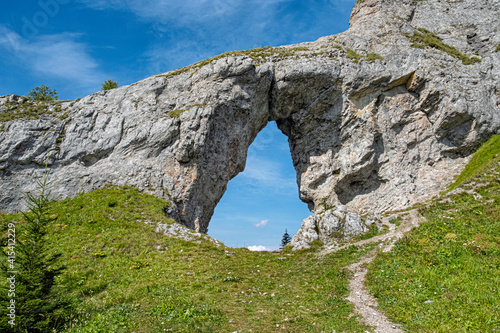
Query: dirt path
[{"x": 365, "y": 304}]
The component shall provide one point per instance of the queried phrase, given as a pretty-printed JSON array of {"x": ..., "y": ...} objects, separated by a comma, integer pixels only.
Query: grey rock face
[
  {"x": 330, "y": 225},
  {"x": 179, "y": 231},
  {"x": 373, "y": 122}
]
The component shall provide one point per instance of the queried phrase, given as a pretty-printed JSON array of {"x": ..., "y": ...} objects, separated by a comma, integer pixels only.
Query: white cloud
[
  {"x": 263, "y": 172},
  {"x": 58, "y": 56},
  {"x": 262, "y": 224},
  {"x": 192, "y": 30},
  {"x": 161, "y": 58},
  {"x": 182, "y": 12},
  {"x": 212, "y": 27},
  {"x": 259, "y": 248}
]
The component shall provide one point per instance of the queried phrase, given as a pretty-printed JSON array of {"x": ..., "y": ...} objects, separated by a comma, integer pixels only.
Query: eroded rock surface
[
  {"x": 336, "y": 223},
  {"x": 373, "y": 122}
]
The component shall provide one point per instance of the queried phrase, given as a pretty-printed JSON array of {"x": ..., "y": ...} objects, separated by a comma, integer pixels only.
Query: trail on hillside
[{"x": 364, "y": 303}]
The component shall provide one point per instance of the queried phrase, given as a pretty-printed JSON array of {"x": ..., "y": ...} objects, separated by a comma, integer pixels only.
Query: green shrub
[
  {"x": 31, "y": 265},
  {"x": 109, "y": 84},
  {"x": 42, "y": 93},
  {"x": 285, "y": 240}
]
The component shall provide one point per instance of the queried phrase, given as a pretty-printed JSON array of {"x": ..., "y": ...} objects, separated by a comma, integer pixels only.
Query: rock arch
[{"x": 374, "y": 126}]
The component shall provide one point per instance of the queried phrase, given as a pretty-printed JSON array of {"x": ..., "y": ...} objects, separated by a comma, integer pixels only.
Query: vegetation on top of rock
[
  {"x": 422, "y": 38},
  {"x": 29, "y": 109},
  {"x": 371, "y": 57},
  {"x": 498, "y": 48},
  {"x": 361, "y": 1},
  {"x": 109, "y": 84},
  {"x": 358, "y": 58},
  {"x": 123, "y": 276},
  {"x": 42, "y": 93},
  {"x": 445, "y": 274},
  {"x": 257, "y": 54},
  {"x": 325, "y": 205},
  {"x": 177, "y": 112},
  {"x": 351, "y": 54}
]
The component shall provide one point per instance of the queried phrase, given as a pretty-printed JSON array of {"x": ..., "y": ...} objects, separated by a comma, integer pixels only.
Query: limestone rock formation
[
  {"x": 336, "y": 223},
  {"x": 378, "y": 117}
]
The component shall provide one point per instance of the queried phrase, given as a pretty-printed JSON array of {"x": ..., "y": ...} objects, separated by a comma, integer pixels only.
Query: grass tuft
[
  {"x": 177, "y": 113},
  {"x": 358, "y": 58},
  {"x": 371, "y": 57},
  {"x": 423, "y": 38},
  {"x": 351, "y": 54}
]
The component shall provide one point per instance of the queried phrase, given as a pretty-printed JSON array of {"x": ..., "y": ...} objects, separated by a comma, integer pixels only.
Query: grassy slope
[
  {"x": 122, "y": 276},
  {"x": 452, "y": 260}
]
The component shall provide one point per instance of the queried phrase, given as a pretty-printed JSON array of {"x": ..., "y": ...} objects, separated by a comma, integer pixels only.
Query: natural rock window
[
  {"x": 262, "y": 201},
  {"x": 374, "y": 124}
]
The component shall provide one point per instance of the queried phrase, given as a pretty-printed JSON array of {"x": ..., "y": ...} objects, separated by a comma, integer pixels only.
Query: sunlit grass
[
  {"x": 122, "y": 276},
  {"x": 483, "y": 160},
  {"x": 445, "y": 275}
]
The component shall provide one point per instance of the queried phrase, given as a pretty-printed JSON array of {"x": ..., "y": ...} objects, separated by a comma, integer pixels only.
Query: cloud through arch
[{"x": 262, "y": 224}]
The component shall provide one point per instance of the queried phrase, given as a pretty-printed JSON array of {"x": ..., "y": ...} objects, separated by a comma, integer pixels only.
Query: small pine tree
[
  {"x": 285, "y": 240},
  {"x": 42, "y": 93},
  {"x": 35, "y": 298},
  {"x": 109, "y": 84}
]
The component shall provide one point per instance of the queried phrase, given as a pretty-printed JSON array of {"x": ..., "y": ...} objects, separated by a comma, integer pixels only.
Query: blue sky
[{"x": 75, "y": 45}]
